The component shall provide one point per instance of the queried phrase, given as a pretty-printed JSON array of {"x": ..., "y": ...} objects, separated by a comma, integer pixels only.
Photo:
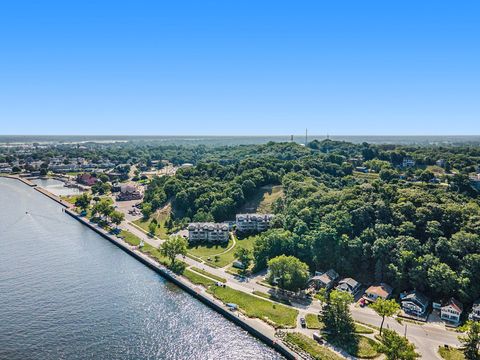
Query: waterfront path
[{"x": 427, "y": 337}]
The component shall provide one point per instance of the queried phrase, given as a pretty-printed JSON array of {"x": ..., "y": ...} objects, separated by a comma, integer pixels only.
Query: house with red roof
[{"x": 451, "y": 311}]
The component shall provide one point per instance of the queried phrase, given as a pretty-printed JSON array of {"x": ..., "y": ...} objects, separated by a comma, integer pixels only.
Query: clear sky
[{"x": 239, "y": 67}]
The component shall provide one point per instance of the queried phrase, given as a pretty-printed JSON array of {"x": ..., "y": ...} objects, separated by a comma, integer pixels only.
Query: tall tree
[
  {"x": 337, "y": 318},
  {"x": 245, "y": 257},
  {"x": 292, "y": 274},
  {"x": 471, "y": 342},
  {"x": 396, "y": 347},
  {"x": 117, "y": 217},
  {"x": 83, "y": 201},
  {"x": 172, "y": 247},
  {"x": 385, "y": 308}
]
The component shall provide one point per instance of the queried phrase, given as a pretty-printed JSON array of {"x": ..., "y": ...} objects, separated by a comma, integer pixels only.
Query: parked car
[
  {"x": 303, "y": 323},
  {"x": 317, "y": 337}
]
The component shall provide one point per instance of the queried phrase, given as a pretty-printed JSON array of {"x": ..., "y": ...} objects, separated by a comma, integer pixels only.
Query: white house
[
  {"x": 475, "y": 313},
  {"x": 451, "y": 311},
  {"x": 408, "y": 162}
]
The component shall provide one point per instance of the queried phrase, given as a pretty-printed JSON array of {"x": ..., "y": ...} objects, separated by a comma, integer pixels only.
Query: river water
[{"x": 67, "y": 293}]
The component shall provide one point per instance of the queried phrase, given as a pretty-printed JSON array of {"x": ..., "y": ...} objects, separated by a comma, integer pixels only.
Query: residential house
[
  {"x": 208, "y": 232},
  {"x": 348, "y": 285},
  {"x": 475, "y": 313},
  {"x": 475, "y": 181},
  {"x": 383, "y": 291},
  {"x": 251, "y": 223},
  {"x": 408, "y": 162},
  {"x": 325, "y": 280},
  {"x": 451, "y": 311},
  {"x": 414, "y": 303}
]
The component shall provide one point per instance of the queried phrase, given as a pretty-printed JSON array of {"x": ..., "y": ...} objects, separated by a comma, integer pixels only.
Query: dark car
[{"x": 303, "y": 323}]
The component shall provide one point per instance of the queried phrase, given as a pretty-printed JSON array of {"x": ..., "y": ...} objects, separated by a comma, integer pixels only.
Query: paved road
[{"x": 427, "y": 337}]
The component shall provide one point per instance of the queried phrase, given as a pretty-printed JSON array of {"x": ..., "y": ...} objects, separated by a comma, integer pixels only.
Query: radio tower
[{"x": 306, "y": 137}]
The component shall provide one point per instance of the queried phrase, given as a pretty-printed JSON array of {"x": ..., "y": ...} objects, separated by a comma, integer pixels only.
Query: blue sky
[{"x": 240, "y": 67}]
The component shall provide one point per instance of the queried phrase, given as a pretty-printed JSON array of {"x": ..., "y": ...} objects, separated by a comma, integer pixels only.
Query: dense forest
[
  {"x": 356, "y": 208},
  {"x": 415, "y": 227}
]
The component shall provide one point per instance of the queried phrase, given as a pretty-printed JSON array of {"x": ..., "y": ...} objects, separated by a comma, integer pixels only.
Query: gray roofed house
[
  {"x": 349, "y": 285},
  {"x": 325, "y": 280},
  {"x": 415, "y": 303}
]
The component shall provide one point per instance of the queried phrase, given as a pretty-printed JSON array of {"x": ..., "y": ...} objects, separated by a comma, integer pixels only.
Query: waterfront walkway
[{"x": 427, "y": 337}]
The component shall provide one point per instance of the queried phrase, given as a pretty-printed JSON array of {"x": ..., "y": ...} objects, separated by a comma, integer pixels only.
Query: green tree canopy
[{"x": 290, "y": 272}]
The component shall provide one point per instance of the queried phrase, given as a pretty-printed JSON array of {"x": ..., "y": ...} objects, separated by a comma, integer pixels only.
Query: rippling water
[
  {"x": 56, "y": 187},
  {"x": 66, "y": 293}
]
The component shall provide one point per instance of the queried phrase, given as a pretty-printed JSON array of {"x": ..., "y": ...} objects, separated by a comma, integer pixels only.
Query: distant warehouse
[
  {"x": 253, "y": 223},
  {"x": 208, "y": 232}
]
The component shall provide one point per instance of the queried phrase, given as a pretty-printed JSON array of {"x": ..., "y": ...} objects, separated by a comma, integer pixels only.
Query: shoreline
[{"x": 247, "y": 324}]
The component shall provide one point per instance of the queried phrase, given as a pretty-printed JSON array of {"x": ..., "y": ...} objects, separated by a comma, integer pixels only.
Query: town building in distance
[
  {"x": 208, "y": 232},
  {"x": 129, "y": 192},
  {"x": 253, "y": 223}
]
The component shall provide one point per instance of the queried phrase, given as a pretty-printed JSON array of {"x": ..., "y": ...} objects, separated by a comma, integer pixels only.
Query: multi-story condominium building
[
  {"x": 208, "y": 232},
  {"x": 250, "y": 223}
]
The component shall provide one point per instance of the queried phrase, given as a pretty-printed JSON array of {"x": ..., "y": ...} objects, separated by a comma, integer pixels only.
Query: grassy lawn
[
  {"x": 70, "y": 198},
  {"x": 130, "y": 238},
  {"x": 367, "y": 176},
  {"x": 451, "y": 354},
  {"x": 263, "y": 199},
  {"x": 364, "y": 348},
  {"x": 229, "y": 256},
  {"x": 197, "y": 278},
  {"x": 162, "y": 216},
  {"x": 361, "y": 329},
  {"x": 311, "y": 347},
  {"x": 208, "y": 250},
  {"x": 271, "y": 297},
  {"x": 206, "y": 273},
  {"x": 313, "y": 322},
  {"x": 276, "y": 314}
]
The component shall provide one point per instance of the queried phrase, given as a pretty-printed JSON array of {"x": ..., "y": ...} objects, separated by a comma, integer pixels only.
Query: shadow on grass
[{"x": 178, "y": 267}]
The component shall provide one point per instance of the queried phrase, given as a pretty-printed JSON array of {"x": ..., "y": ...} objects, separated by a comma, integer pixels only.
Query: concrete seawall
[
  {"x": 53, "y": 197},
  {"x": 177, "y": 280},
  {"x": 167, "y": 274},
  {"x": 23, "y": 180}
]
